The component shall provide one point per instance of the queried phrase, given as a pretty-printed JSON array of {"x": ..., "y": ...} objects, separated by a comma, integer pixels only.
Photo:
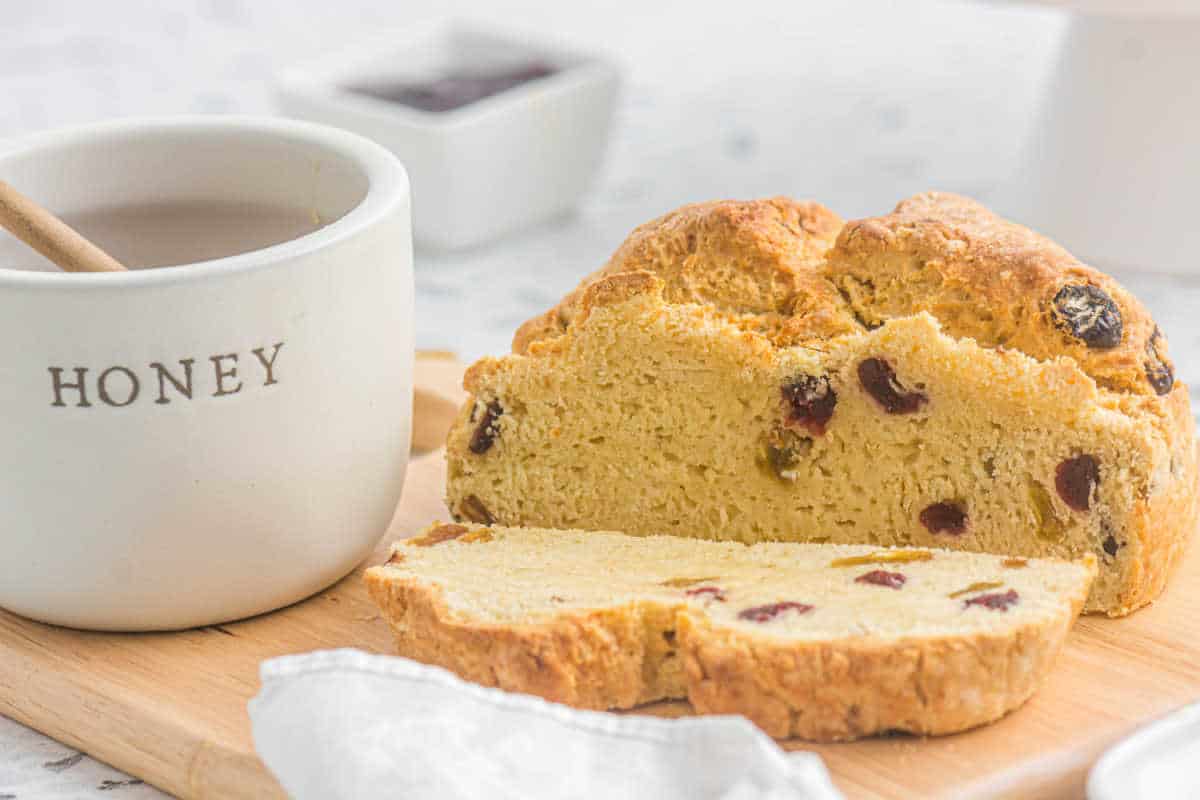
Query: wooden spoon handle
[{"x": 50, "y": 236}]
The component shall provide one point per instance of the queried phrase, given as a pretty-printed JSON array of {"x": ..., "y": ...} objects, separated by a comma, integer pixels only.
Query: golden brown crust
[
  {"x": 599, "y": 660},
  {"x": 756, "y": 260},
  {"x": 1165, "y": 522},
  {"x": 985, "y": 278},
  {"x": 823, "y": 691},
  {"x": 613, "y": 289},
  {"x": 840, "y": 691},
  {"x": 769, "y": 263}
]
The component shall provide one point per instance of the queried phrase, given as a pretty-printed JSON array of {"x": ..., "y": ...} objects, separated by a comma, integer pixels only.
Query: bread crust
[
  {"x": 792, "y": 271},
  {"x": 755, "y": 260},
  {"x": 591, "y": 660},
  {"x": 821, "y": 691},
  {"x": 1165, "y": 522},
  {"x": 984, "y": 278},
  {"x": 835, "y": 691}
]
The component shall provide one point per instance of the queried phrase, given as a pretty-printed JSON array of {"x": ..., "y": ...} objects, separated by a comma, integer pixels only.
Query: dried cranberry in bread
[
  {"x": 936, "y": 377},
  {"x": 825, "y": 642}
]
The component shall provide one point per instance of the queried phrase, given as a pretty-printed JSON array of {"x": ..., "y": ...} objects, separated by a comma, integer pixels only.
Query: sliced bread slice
[{"x": 821, "y": 641}]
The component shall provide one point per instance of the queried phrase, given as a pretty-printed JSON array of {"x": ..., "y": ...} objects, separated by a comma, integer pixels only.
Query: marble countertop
[{"x": 857, "y": 104}]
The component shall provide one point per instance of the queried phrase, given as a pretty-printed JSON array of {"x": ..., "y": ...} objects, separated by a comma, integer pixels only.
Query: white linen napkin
[{"x": 345, "y": 724}]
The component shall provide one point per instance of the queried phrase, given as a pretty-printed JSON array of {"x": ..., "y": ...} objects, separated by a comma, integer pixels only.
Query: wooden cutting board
[{"x": 170, "y": 708}]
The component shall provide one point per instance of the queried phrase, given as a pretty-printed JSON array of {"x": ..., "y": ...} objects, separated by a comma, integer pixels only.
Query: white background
[{"x": 857, "y": 104}]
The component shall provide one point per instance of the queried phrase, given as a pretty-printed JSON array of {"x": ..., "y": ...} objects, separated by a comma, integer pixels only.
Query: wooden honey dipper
[{"x": 50, "y": 236}]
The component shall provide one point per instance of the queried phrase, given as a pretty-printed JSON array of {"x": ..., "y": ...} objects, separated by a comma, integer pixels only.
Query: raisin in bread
[
  {"x": 937, "y": 377},
  {"x": 825, "y": 642}
]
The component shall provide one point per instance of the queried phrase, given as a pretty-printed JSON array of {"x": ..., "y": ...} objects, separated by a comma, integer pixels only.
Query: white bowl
[
  {"x": 1156, "y": 761},
  {"x": 487, "y": 168},
  {"x": 147, "y": 502}
]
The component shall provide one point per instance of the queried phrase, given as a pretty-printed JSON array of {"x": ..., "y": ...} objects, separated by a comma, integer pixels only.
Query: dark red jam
[{"x": 456, "y": 88}]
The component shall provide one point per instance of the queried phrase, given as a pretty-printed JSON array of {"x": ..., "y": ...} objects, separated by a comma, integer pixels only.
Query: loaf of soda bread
[
  {"x": 825, "y": 642},
  {"x": 758, "y": 371}
]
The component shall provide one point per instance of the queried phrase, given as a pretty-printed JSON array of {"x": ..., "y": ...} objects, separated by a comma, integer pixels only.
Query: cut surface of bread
[
  {"x": 991, "y": 395},
  {"x": 825, "y": 642}
]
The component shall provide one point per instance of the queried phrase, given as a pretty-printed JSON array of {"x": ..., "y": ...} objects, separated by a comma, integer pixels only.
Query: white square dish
[{"x": 486, "y": 168}]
